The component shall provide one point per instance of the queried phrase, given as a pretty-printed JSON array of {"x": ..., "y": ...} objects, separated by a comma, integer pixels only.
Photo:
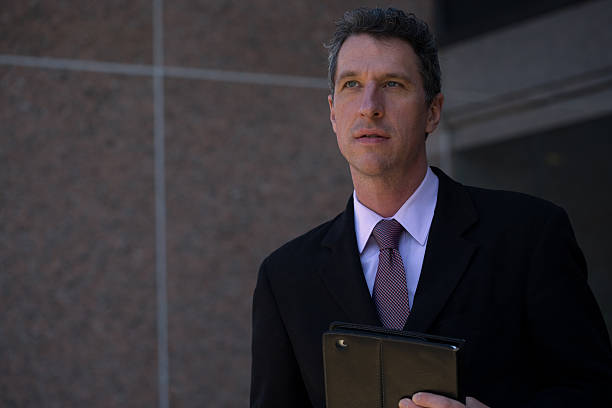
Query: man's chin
[{"x": 372, "y": 168}]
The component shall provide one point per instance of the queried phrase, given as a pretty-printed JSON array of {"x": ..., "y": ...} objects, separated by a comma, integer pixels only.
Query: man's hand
[{"x": 427, "y": 400}]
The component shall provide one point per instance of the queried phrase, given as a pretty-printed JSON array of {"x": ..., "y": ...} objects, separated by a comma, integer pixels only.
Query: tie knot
[{"x": 387, "y": 234}]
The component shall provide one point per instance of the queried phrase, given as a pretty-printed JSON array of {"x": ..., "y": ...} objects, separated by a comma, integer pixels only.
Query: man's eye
[
  {"x": 392, "y": 84},
  {"x": 350, "y": 84}
]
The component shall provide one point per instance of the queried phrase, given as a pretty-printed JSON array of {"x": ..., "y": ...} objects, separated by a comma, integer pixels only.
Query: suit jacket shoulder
[{"x": 301, "y": 248}]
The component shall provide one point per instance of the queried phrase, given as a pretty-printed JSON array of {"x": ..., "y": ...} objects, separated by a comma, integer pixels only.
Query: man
[{"x": 501, "y": 270}]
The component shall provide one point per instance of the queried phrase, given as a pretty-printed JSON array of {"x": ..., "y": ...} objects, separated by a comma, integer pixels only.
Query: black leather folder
[{"x": 374, "y": 367}]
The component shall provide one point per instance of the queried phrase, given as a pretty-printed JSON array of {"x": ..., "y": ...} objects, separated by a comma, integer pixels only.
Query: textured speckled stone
[
  {"x": 110, "y": 30},
  {"x": 263, "y": 36},
  {"x": 77, "y": 281},
  {"x": 248, "y": 168}
]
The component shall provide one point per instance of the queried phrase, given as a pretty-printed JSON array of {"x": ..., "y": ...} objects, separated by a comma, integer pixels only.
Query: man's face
[{"x": 378, "y": 112}]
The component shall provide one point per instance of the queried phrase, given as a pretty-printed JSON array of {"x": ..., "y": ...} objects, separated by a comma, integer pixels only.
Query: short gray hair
[{"x": 389, "y": 23}]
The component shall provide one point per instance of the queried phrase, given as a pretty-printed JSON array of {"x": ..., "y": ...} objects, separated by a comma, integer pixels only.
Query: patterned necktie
[{"x": 390, "y": 292}]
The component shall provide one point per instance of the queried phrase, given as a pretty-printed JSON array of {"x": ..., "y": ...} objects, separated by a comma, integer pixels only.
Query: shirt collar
[{"x": 415, "y": 214}]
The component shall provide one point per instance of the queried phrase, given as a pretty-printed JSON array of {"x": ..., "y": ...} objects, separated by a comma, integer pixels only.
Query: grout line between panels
[
  {"x": 218, "y": 75},
  {"x": 76, "y": 65},
  {"x": 160, "y": 207}
]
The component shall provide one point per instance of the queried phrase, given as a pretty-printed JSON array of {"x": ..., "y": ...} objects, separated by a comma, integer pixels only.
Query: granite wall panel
[
  {"x": 264, "y": 36},
  {"x": 110, "y": 30},
  {"x": 77, "y": 281},
  {"x": 248, "y": 168}
]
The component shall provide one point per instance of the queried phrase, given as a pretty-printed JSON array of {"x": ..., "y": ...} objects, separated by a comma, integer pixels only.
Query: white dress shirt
[{"x": 415, "y": 216}]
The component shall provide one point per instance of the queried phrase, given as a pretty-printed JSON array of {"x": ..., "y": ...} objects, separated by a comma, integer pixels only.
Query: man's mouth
[{"x": 370, "y": 134}]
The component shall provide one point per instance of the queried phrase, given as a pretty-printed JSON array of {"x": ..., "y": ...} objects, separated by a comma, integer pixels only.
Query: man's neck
[{"x": 386, "y": 195}]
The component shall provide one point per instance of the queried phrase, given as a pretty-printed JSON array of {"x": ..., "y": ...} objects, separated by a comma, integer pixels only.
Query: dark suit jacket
[{"x": 501, "y": 270}]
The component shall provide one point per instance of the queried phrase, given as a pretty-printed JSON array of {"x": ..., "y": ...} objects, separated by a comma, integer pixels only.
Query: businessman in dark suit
[{"x": 501, "y": 270}]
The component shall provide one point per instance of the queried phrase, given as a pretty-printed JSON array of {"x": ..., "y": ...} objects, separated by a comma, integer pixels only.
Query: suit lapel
[
  {"x": 342, "y": 273},
  {"x": 447, "y": 255}
]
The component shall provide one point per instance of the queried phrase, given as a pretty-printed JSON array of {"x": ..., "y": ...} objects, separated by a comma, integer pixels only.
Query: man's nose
[{"x": 371, "y": 102}]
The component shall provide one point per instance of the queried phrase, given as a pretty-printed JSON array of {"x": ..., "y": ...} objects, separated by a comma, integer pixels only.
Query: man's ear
[
  {"x": 332, "y": 113},
  {"x": 434, "y": 113}
]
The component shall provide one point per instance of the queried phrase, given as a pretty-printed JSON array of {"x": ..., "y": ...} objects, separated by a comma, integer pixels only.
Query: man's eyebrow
[
  {"x": 389, "y": 75},
  {"x": 345, "y": 74},
  {"x": 397, "y": 75}
]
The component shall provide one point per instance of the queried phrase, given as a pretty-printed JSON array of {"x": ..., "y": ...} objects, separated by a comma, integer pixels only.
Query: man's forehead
[
  {"x": 383, "y": 40},
  {"x": 364, "y": 51}
]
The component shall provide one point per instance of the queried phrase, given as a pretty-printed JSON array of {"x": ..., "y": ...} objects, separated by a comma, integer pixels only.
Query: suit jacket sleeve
[
  {"x": 276, "y": 380},
  {"x": 568, "y": 336}
]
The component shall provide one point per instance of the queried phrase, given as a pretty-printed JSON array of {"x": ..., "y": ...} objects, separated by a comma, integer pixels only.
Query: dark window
[{"x": 460, "y": 20}]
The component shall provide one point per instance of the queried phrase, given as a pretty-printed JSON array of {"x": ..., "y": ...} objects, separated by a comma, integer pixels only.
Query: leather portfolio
[{"x": 372, "y": 367}]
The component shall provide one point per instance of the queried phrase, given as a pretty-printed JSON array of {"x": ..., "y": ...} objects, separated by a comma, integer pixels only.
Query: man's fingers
[
  {"x": 427, "y": 400},
  {"x": 407, "y": 403}
]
